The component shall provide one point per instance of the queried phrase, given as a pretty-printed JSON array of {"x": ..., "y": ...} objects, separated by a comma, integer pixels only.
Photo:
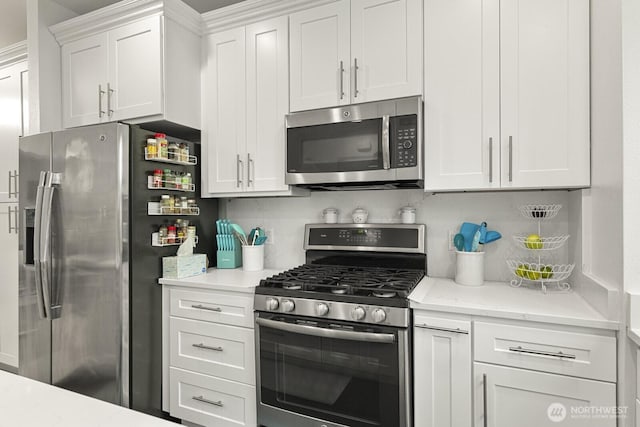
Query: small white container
[
  {"x": 330, "y": 215},
  {"x": 469, "y": 268},
  {"x": 407, "y": 214},
  {"x": 252, "y": 257},
  {"x": 359, "y": 216}
]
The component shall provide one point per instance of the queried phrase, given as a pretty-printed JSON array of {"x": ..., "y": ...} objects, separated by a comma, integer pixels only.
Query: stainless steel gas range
[{"x": 333, "y": 336}]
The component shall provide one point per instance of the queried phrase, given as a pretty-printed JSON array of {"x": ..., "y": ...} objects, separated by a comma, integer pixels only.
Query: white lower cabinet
[
  {"x": 9, "y": 284},
  {"x": 442, "y": 374},
  {"x": 209, "y": 357},
  {"x": 507, "y": 397}
]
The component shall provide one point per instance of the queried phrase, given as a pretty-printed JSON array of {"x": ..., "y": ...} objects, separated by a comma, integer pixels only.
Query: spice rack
[
  {"x": 190, "y": 160},
  {"x": 170, "y": 186},
  {"x": 154, "y": 208},
  {"x": 539, "y": 266},
  {"x": 156, "y": 240}
]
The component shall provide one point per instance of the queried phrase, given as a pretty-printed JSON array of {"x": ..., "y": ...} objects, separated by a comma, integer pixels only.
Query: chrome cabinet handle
[
  {"x": 37, "y": 247},
  {"x": 204, "y": 307},
  {"x": 327, "y": 333},
  {"x": 16, "y": 217},
  {"x": 249, "y": 164},
  {"x": 210, "y": 402},
  {"x": 484, "y": 398},
  {"x": 435, "y": 328},
  {"x": 109, "y": 92},
  {"x": 100, "y": 93},
  {"x": 490, "y": 160},
  {"x": 355, "y": 77},
  {"x": 9, "y": 183},
  {"x": 15, "y": 183},
  {"x": 559, "y": 354},
  {"x": 341, "y": 79},
  {"x": 9, "y": 212},
  {"x": 238, "y": 175},
  {"x": 206, "y": 347},
  {"x": 386, "y": 144},
  {"x": 510, "y": 158}
]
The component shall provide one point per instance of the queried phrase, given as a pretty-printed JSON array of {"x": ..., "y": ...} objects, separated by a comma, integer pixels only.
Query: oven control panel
[
  {"x": 408, "y": 238},
  {"x": 336, "y": 310},
  {"x": 404, "y": 141}
]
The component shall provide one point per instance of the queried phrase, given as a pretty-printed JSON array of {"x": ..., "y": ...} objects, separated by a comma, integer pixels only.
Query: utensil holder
[
  {"x": 252, "y": 257},
  {"x": 229, "y": 259},
  {"x": 469, "y": 268}
]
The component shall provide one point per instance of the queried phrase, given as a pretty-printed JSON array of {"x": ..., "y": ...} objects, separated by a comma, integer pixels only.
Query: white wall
[{"x": 440, "y": 212}]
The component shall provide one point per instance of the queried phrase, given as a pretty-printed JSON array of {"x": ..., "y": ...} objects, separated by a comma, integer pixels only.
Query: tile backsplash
[{"x": 441, "y": 213}]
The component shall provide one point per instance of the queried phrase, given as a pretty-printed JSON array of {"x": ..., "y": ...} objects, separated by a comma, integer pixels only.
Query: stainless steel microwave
[{"x": 370, "y": 145}]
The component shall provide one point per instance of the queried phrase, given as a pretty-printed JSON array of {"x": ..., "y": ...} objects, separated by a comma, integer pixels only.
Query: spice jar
[
  {"x": 168, "y": 178},
  {"x": 177, "y": 180},
  {"x": 186, "y": 181},
  {"x": 157, "y": 178},
  {"x": 184, "y": 152},
  {"x": 184, "y": 203},
  {"x": 191, "y": 232},
  {"x": 162, "y": 234},
  {"x": 174, "y": 151},
  {"x": 171, "y": 234},
  {"x": 165, "y": 204},
  {"x": 152, "y": 148},
  {"x": 161, "y": 140}
]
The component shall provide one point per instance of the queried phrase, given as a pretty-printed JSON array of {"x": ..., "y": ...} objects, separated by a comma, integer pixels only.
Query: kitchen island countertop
[
  {"x": 236, "y": 279},
  {"x": 25, "y": 402},
  {"x": 499, "y": 299}
]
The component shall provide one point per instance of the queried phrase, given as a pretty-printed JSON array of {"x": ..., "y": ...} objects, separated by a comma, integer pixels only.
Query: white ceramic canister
[
  {"x": 330, "y": 215},
  {"x": 407, "y": 215},
  {"x": 359, "y": 216}
]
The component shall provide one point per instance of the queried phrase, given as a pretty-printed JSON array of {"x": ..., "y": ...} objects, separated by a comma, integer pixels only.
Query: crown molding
[
  {"x": 125, "y": 12},
  {"x": 251, "y": 11},
  {"x": 13, "y": 53}
]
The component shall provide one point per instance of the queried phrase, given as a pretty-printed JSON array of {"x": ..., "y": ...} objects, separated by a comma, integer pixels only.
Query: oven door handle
[{"x": 327, "y": 333}]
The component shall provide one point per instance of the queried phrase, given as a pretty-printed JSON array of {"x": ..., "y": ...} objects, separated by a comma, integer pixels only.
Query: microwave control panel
[{"x": 404, "y": 141}]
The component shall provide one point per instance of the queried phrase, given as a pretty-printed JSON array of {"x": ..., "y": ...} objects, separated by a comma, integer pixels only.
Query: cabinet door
[
  {"x": 442, "y": 372},
  {"x": 462, "y": 94},
  {"x": 545, "y": 93},
  {"x": 386, "y": 49},
  {"x": 523, "y": 398},
  {"x": 267, "y": 104},
  {"x": 84, "y": 80},
  {"x": 224, "y": 102},
  {"x": 11, "y": 87},
  {"x": 135, "y": 70},
  {"x": 9, "y": 285},
  {"x": 320, "y": 71}
]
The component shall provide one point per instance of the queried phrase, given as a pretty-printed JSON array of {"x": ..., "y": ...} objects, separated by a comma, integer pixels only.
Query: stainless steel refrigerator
[{"x": 90, "y": 306}]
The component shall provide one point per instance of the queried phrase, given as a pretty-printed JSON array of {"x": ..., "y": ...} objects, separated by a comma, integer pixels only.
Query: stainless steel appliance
[
  {"x": 333, "y": 336},
  {"x": 90, "y": 305},
  {"x": 370, "y": 145}
]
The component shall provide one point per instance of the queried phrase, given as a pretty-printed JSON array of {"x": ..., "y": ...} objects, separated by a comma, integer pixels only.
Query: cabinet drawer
[
  {"x": 211, "y": 401},
  {"x": 213, "y": 349},
  {"x": 439, "y": 324},
  {"x": 217, "y": 307},
  {"x": 569, "y": 353}
]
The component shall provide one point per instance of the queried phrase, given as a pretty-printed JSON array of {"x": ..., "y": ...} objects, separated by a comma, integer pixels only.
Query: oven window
[
  {"x": 354, "y": 383},
  {"x": 337, "y": 147}
]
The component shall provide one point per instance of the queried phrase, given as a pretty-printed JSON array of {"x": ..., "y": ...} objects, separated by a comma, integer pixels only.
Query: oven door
[{"x": 329, "y": 373}]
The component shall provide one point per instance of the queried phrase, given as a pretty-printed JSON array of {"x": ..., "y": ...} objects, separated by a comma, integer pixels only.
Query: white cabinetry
[
  {"x": 507, "y": 97},
  {"x": 122, "y": 63},
  {"x": 442, "y": 372},
  {"x": 363, "y": 50},
  {"x": 209, "y": 357},
  {"x": 14, "y": 111},
  {"x": 245, "y": 100}
]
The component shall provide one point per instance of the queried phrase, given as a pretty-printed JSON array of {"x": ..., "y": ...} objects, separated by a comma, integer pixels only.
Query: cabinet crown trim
[
  {"x": 125, "y": 12},
  {"x": 251, "y": 11},
  {"x": 13, "y": 53}
]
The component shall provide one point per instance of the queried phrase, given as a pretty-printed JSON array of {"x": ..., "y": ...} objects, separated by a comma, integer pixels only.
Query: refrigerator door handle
[
  {"x": 37, "y": 226},
  {"x": 49, "y": 288}
]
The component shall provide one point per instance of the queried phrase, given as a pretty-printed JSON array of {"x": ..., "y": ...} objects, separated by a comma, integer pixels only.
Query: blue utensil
[
  {"x": 475, "y": 241},
  {"x": 458, "y": 241},
  {"x": 260, "y": 240}
]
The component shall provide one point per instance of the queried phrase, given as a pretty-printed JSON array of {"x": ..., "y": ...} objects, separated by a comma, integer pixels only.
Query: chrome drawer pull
[
  {"x": 559, "y": 354},
  {"x": 435, "y": 328},
  {"x": 206, "y": 347},
  {"x": 204, "y": 307},
  {"x": 210, "y": 402}
]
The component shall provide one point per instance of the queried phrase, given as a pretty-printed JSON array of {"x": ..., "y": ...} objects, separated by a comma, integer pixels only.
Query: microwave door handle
[
  {"x": 386, "y": 143},
  {"x": 372, "y": 337},
  {"x": 37, "y": 246}
]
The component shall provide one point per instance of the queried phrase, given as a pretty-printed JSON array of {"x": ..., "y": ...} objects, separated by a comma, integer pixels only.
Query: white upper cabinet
[
  {"x": 131, "y": 62},
  {"x": 246, "y": 96},
  {"x": 507, "y": 96},
  {"x": 355, "y": 51}
]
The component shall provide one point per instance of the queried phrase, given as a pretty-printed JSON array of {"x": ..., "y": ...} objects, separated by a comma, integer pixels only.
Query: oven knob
[
  {"x": 358, "y": 313},
  {"x": 379, "y": 315},
  {"x": 288, "y": 305},
  {"x": 272, "y": 304},
  {"x": 322, "y": 309}
]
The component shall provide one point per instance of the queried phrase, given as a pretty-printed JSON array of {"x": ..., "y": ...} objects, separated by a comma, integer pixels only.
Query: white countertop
[
  {"x": 634, "y": 335},
  {"x": 232, "y": 279},
  {"x": 25, "y": 402},
  {"x": 498, "y": 299}
]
